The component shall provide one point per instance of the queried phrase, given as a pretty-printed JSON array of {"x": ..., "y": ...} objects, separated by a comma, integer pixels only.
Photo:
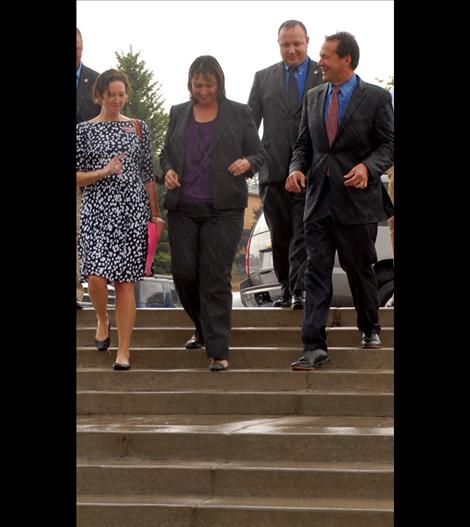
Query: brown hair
[
  {"x": 206, "y": 65},
  {"x": 104, "y": 80},
  {"x": 290, "y": 24}
]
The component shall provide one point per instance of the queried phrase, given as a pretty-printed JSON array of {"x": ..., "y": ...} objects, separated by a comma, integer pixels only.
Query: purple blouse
[{"x": 196, "y": 183}]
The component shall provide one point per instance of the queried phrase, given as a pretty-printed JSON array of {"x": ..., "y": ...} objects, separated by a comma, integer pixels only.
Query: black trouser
[
  {"x": 203, "y": 244},
  {"x": 284, "y": 212},
  {"x": 356, "y": 252}
]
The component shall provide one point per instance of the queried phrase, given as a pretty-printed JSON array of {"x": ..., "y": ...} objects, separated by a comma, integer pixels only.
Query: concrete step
[
  {"x": 236, "y": 438},
  {"x": 221, "y": 402},
  {"x": 178, "y": 477},
  {"x": 248, "y": 336},
  {"x": 135, "y": 380},
  {"x": 197, "y": 511},
  {"x": 241, "y": 317},
  {"x": 240, "y": 357}
]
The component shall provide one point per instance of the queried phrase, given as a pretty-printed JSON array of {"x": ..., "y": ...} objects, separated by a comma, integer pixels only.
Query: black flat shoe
[
  {"x": 193, "y": 343},
  {"x": 103, "y": 345},
  {"x": 121, "y": 366}
]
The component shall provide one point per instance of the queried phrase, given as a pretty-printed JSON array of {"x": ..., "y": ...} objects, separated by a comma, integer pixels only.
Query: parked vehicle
[
  {"x": 261, "y": 288},
  {"x": 156, "y": 291},
  {"x": 152, "y": 291}
]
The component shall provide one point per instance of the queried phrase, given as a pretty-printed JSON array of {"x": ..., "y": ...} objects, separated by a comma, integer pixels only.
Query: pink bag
[{"x": 153, "y": 236}]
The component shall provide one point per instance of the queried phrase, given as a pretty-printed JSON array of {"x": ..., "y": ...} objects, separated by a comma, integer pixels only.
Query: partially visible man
[
  {"x": 391, "y": 221},
  {"x": 276, "y": 98},
  {"x": 346, "y": 142},
  {"x": 86, "y": 109}
]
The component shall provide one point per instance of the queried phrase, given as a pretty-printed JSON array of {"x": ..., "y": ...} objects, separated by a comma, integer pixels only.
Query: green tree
[
  {"x": 146, "y": 103},
  {"x": 388, "y": 85}
]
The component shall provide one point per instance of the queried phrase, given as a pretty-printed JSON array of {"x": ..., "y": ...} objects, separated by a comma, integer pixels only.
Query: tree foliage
[
  {"x": 390, "y": 82},
  {"x": 146, "y": 103}
]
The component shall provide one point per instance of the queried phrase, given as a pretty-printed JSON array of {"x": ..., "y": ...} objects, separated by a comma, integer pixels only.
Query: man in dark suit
[
  {"x": 346, "y": 142},
  {"x": 86, "y": 106},
  {"x": 86, "y": 109},
  {"x": 276, "y": 98}
]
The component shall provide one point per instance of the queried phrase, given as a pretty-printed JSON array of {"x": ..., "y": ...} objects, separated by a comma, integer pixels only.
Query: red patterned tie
[{"x": 332, "y": 116}]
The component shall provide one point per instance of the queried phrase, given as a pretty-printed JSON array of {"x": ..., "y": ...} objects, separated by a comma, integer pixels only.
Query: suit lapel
[
  {"x": 312, "y": 72},
  {"x": 83, "y": 88},
  {"x": 320, "y": 109},
  {"x": 221, "y": 123},
  {"x": 280, "y": 81},
  {"x": 180, "y": 135},
  {"x": 355, "y": 100},
  {"x": 80, "y": 92}
]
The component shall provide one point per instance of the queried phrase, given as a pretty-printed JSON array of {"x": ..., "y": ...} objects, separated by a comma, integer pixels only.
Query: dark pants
[
  {"x": 284, "y": 215},
  {"x": 356, "y": 252},
  {"x": 203, "y": 244}
]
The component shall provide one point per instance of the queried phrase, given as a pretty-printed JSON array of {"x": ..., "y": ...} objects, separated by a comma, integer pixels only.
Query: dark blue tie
[{"x": 292, "y": 91}]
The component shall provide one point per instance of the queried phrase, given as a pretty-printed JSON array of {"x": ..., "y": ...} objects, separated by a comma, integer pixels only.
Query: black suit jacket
[
  {"x": 86, "y": 107},
  {"x": 268, "y": 102},
  {"x": 234, "y": 136},
  {"x": 365, "y": 135}
]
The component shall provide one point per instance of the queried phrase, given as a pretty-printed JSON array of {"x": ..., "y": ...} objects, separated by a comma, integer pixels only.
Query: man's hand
[
  {"x": 357, "y": 177},
  {"x": 296, "y": 181}
]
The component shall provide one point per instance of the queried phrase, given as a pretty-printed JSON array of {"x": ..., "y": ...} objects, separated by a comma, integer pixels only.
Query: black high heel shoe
[
  {"x": 121, "y": 366},
  {"x": 103, "y": 345}
]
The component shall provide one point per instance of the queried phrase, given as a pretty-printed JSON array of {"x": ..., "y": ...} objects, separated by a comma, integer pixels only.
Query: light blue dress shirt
[{"x": 345, "y": 91}]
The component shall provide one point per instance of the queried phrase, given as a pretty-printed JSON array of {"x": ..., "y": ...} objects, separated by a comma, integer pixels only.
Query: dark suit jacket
[
  {"x": 86, "y": 108},
  {"x": 365, "y": 135},
  {"x": 235, "y": 136},
  {"x": 268, "y": 101}
]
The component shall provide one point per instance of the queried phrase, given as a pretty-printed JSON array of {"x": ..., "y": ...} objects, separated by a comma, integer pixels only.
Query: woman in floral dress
[{"x": 119, "y": 198}]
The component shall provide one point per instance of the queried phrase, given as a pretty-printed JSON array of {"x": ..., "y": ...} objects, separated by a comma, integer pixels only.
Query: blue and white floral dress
[{"x": 114, "y": 210}]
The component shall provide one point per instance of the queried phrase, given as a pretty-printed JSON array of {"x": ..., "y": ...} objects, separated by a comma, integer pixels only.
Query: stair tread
[
  {"x": 234, "y": 348},
  {"x": 244, "y": 328},
  {"x": 232, "y": 424},
  {"x": 235, "y": 502},
  {"x": 236, "y": 371},
  {"x": 134, "y": 462},
  {"x": 222, "y": 392}
]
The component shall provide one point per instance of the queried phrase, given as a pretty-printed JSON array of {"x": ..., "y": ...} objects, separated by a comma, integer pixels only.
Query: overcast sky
[{"x": 241, "y": 35}]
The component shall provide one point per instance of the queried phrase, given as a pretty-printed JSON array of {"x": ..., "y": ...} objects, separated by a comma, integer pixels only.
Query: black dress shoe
[
  {"x": 297, "y": 302},
  {"x": 310, "y": 360},
  {"x": 284, "y": 300},
  {"x": 371, "y": 341},
  {"x": 194, "y": 343},
  {"x": 121, "y": 366},
  {"x": 103, "y": 345}
]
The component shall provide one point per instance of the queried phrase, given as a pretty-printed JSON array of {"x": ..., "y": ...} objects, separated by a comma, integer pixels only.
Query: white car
[
  {"x": 261, "y": 288},
  {"x": 152, "y": 291}
]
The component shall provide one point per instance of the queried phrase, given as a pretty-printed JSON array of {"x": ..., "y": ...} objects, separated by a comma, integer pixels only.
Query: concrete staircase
[{"x": 169, "y": 443}]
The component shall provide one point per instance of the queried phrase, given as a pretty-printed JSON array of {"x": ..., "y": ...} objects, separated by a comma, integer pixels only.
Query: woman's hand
[
  {"x": 115, "y": 165},
  {"x": 239, "y": 167},
  {"x": 171, "y": 179},
  {"x": 160, "y": 223}
]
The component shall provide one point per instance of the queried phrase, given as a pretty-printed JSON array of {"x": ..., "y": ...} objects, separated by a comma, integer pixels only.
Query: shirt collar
[
  {"x": 300, "y": 67},
  {"x": 79, "y": 70},
  {"x": 346, "y": 87}
]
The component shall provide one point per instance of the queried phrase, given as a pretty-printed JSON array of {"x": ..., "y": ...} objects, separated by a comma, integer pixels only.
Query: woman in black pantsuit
[{"x": 211, "y": 145}]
